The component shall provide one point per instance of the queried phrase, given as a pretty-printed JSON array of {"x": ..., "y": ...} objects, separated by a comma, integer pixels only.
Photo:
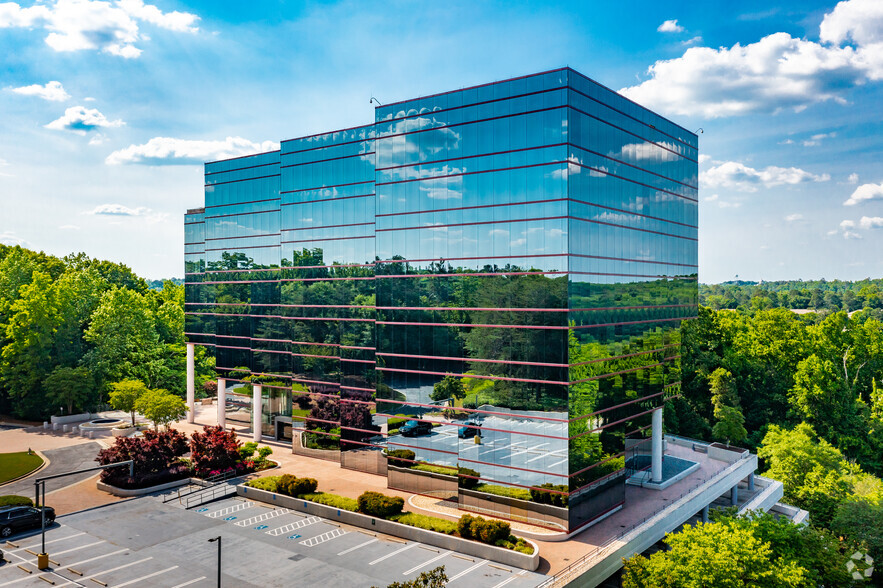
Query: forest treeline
[
  {"x": 818, "y": 295},
  {"x": 71, "y": 326}
]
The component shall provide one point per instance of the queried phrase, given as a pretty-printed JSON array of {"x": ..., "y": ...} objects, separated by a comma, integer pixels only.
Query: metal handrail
[
  {"x": 572, "y": 568},
  {"x": 211, "y": 481}
]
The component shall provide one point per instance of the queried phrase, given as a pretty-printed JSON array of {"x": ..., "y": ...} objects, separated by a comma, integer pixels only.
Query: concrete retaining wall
[
  {"x": 474, "y": 548},
  {"x": 721, "y": 452}
]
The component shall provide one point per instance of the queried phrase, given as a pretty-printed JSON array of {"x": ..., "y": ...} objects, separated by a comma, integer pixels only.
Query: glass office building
[{"x": 479, "y": 295}]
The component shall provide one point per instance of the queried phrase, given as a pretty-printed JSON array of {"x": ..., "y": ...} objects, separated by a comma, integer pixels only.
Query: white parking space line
[
  {"x": 540, "y": 445},
  {"x": 295, "y": 525},
  {"x": 76, "y": 548},
  {"x": 47, "y": 543},
  {"x": 359, "y": 546},
  {"x": 426, "y": 563},
  {"x": 260, "y": 518},
  {"x": 506, "y": 581},
  {"x": 26, "y": 562},
  {"x": 319, "y": 539},
  {"x": 111, "y": 570},
  {"x": 467, "y": 570},
  {"x": 470, "y": 447},
  {"x": 396, "y": 552},
  {"x": 189, "y": 583},
  {"x": 557, "y": 463},
  {"x": 229, "y": 510},
  {"x": 537, "y": 457},
  {"x": 130, "y": 582}
]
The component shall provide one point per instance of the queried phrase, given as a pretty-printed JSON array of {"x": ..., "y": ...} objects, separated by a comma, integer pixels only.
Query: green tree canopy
[
  {"x": 125, "y": 394},
  {"x": 69, "y": 387},
  {"x": 161, "y": 406}
]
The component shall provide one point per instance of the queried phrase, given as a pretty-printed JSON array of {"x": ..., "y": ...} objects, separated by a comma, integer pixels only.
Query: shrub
[
  {"x": 294, "y": 486},
  {"x": 270, "y": 483},
  {"x": 214, "y": 450},
  {"x": 247, "y": 450},
  {"x": 480, "y": 529},
  {"x": 380, "y": 505},
  {"x": 426, "y": 522},
  {"x": 542, "y": 494},
  {"x": 464, "y": 526},
  {"x": 12, "y": 500},
  {"x": 507, "y": 491},
  {"x": 155, "y": 456},
  {"x": 468, "y": 482},
  {"x": 265, "y": 452},
  {"x": 403, "y": 458},
  {"x": 516, "y": 544},
  {"x": 341, "y": 502}
]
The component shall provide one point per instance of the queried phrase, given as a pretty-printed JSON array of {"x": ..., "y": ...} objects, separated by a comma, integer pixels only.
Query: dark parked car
[
  {"x": 470, "y": 428},
  {"x": 415, "y": 428},
  {"x": 19, "y": 518}
]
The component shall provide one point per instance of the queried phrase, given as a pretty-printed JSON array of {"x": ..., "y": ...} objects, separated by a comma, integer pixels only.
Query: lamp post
[{"x": 212, "y": 540}]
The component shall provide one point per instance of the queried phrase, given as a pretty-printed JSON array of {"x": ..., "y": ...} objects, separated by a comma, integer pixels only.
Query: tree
[
  {"x": 729, "y": 425},
  {"x": 811, "y": 469},
  {"x": 214, "y": 450},
  {"x": 720, "y": 554},
  {"x": 71, "y": 387},
  {"x": 448, "y": 387},
  {"x": 434, "y": 578},
  {"x": 161, "y": 406},
  {"x": 155, "y": 455},
  {"x": 861, "y": 520},
  {"x": 124, "y": 395}
]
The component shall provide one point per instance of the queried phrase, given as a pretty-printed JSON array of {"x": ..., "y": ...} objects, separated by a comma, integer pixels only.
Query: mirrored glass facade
[{"x": 486, "y": 285}]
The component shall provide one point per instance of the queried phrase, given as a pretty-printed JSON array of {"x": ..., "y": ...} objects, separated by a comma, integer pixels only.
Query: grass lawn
[{"x": 13, "y": 465}]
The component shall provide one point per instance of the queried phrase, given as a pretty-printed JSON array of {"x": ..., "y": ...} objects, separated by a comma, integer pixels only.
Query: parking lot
[
  {"x": 142, "y": 542},
  {"x": 532, "y": 456}
]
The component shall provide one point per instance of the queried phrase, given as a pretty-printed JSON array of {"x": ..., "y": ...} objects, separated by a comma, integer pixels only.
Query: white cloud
[
  {"x": 846, "y": 228},
  {"x": 76, "y": 25},
  {"x": 711, "y": 198},
  {"x": 774, "y": 73},
  {"x": 171, "y": 151},
  {"x": 52, "y": 91},
  {"x": 853, "y": 178},
  {"x": 793, "y": 217},
  {"x": 786, "y": 142},
  {"x": 694, "y": 41},
  {"x": 12, "y": 239},
  {"x": 738, "y": 176},
  {"x": 670, "y": 26},
  {"x": 663, "y": 152},
  {"x": 871, "y": 222},
  {"x": 80, "y": 120},
  {"x": 4, "y": 163},
  {"x": 864, "y": 193},
  {"x": 817, "y": 139},
  {"x": 118, "y": 210},
  {"x": 777, "y": 72},
  {"x": 97, "y": 139},
  {"x": 69, "y": 228},
  {"x": 703, "y": 158}
]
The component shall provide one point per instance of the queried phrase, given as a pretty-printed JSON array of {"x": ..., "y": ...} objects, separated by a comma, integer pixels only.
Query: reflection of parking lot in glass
[{"x": 545, "y": 456}]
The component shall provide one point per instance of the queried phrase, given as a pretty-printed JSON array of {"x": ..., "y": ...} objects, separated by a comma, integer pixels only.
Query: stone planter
[
  {"x": 123, "y": 432},
  {"x": 71, "y": 418},
  {"x": 729, "y": 454},
  {"x": 467, "y": 546},
  {"x": 125, "y": 492}
]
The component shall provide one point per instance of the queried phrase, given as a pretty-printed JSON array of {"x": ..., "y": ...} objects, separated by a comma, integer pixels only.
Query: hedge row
[
  {"x": 12, "y": 500},
  {"x": 480, "y": 529},
  {"x": 380, "y": 505},
  {"x": 557, "y": 496}
]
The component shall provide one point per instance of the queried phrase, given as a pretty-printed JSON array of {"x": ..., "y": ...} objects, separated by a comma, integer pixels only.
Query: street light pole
[{"x": 218, "y": 539}]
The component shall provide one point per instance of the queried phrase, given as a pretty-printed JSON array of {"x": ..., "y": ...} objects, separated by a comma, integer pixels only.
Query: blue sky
[{"x": 107, "y": 109}]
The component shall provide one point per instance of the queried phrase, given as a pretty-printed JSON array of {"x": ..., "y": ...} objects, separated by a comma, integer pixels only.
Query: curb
[{"x": 45, "y": 463}]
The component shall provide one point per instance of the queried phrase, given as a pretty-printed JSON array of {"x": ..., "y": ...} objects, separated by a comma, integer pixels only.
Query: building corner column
[
  {"x": 656, "y": 455},
  {"x": 191, "y": 384},
  {"x": 256, "y": 417},
  {"x": 222, "y": 403}
]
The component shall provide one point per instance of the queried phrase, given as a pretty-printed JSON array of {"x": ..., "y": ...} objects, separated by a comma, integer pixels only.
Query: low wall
[
  {"x": 126, "y": 492},
  {"x": 525, "y": 511},
  {"x": 71, "y": 418},
  {"x": 721, "y": 452},
  {"x": 297, "y": 447},
  {"x": 420, "y": 482},
  {"x": 469, "y": 547}
]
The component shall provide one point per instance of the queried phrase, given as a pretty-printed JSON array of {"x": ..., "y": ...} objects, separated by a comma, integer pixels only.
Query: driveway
[{"x": 63, "y": 459}]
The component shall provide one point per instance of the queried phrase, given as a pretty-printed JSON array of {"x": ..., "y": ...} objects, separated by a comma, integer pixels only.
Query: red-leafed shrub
[
  {"x": 155, "y": 456},
  {"x": 215, "y": 451}
]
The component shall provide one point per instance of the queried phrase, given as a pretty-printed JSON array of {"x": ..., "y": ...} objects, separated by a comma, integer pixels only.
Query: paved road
[{"x": 64, "y": 459}]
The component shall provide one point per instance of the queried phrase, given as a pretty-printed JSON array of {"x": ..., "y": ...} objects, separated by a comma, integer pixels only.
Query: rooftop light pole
[{"x": 212, "y": 540}]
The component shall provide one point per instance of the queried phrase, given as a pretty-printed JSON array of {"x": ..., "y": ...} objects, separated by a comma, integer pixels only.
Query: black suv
[{"x": 18, "y": 518}]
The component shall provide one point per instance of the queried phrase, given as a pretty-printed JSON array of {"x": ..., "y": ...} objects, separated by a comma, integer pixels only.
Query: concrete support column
[
  {"x": 734, "y": 495},
  {"x": 256, "y": 406},
  {"x": 191, "y": 385},
  {"x": 751, "y": 482},
  {"x": 222, "y": 403},
  {"x": 705, "y": 514},
  {"x": 656, "y": 455}
]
